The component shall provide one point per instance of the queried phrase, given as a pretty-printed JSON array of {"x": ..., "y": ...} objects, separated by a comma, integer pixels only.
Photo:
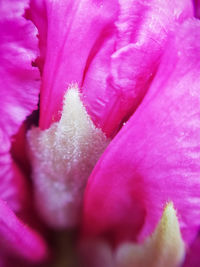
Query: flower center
[{"x": 63, "y": 157}]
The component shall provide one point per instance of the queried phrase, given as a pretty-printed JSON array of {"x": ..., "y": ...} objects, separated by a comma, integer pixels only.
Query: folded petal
[
  {"x": 164, "y": 248},
  {"x": 18, "y": 239},
  {"x": 75, "y": 30},
  {"x": 196, "y": 8},
  {"x": 12, "y": 187},
  {"x": 19, "y": 91},
  {"x": 141, "y": 33},
  {"x": 37, "y": 14},
  {"x": 155, "y": 157},
  {"x": 113, "y": 59},
  {"x": 19, "y": 80},
  {"x": 192, "y": 257},
  {"x": 19, "y": 149}
]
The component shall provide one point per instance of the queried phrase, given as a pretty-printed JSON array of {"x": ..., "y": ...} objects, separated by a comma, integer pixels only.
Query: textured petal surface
[
  {"x": 17, "y": 238},
  {"x": 19, "y": 80},
  {"x": 19, "y": 91},
  {"x": 155, "y": 157},
  {"x": 75, "y": 32},
  {"x": 141, "y": 32},
  {"x": 107, "y": 48}
]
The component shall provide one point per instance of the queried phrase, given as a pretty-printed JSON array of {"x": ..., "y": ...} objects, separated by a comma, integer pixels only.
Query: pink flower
[
  {"x": 119, "y": 104},
  {"x": 113, "y": 70}
]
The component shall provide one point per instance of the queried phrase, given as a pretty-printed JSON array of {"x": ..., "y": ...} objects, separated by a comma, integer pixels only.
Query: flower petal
[
  {"x": 196, "y": 8},
  {"x": 141, "y": 33},
  {"x": 18, "y": 239},
  {"x": 192, "y": 257},
  {"x": 75, "y": 31},
  {"x": 114, "y": 59},
  {"x": 164, "y": 248},
  {"x": 37, "y": 13},
  {"x": 155, "y": 157},
  {"x": 19, "y": 91},
  {"x": 19, "y": 80}
]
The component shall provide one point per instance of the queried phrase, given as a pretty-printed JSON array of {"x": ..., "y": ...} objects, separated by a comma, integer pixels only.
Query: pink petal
[
  {"x": 37, "y": 13},
  {"x": 75, "y": 31},
  {"x": 155, "y": 157},
  {"x": 19, "y": 80},
  {"x": 192, "y": 258},
  {"x": 112, "y": 56},
  {"x": 196, "y": 8},
  {"x": 19, "y": 239},
  {"x": 12, "y": 187},
  {"x": 115, "y": 83},
  {"x": 19, "y": 149},
  {"x": 19, "y": 91}
]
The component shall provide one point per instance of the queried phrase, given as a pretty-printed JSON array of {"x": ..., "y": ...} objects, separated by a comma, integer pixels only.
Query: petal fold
[
  {"x": 75, "y": 31},
  {"x": 19, "y": 91},
  {"x": 19, "y": 79},
  {"x": 141, "y": 32},
  {"x": 113, "y": 60},
  {"x": 192, "y": 256},
  {"x": 18, "y": 239},
  {"x": 155, "y": 156},
  {"x": 164, "y": 248}
]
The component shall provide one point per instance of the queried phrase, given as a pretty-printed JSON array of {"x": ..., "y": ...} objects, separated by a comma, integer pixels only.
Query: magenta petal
[
  {"x": 196, "y": 8},
  {"x": 113, "y": 59},
  {"x": 192, "y": 258},
  {"x": 17, "y": 238},
  {"x": 19, "y": 149},
  {"x": 37, "y": 13},
  {"x": 115, "y": 83},
  {"x": 19, "y": 80},
  {"x": 12, "y": 186},
  {"x": 155, "y": 157},
  {"x": 19, "y": 91},
  {"x": 75, "y": 31}
]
